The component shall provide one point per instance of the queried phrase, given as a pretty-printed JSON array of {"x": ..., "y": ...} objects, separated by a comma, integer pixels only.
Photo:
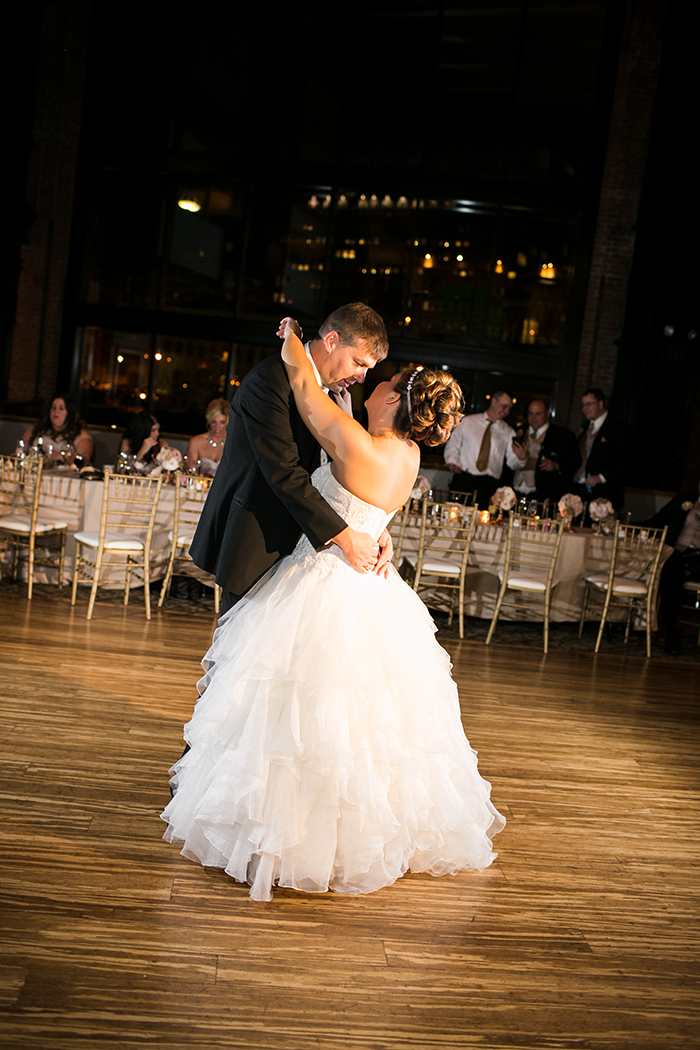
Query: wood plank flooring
[{"x": 583, "y": 934}]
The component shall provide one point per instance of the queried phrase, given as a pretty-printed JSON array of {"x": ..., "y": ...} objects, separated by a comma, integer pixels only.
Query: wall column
[{"x": 63, "y": 45}]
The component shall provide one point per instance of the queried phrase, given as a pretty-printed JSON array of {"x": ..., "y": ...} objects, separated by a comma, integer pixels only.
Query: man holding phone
[{"x": 548, "y": 455}]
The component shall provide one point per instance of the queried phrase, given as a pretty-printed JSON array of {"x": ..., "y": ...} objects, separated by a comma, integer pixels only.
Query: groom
[{"x": 262, "y": 498}]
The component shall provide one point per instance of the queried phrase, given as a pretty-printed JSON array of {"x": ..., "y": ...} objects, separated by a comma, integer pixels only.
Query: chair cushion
[
  {"x": 621, "y": 585},
  {"x": 114, "y": 541},
  {"x": 527, "y": 581},
  {"x": 23, "y": 523},
  {"x": 184, "y": 539},
  {"x": 443, "y": 568}
]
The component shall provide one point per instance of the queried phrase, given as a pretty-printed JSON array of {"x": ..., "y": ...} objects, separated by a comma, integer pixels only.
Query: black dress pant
[{"x": 484, "y": 484}]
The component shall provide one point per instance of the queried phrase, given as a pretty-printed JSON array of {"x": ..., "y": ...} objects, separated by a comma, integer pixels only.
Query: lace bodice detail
[{"x": 364, "y": 517}]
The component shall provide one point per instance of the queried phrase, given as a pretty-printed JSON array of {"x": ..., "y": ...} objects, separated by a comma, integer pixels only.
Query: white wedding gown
[{"x": 327, "y": 749}]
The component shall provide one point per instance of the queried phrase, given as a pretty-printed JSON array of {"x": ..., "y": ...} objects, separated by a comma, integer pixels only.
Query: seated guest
[
  {"x": 61, "y": 435},
  {"x": 604, "y": 444},
  {"x": 682, "y": 516},
  {"x": 207, "y": 449},
  {"x": 548, "y": 456},
  {"x": 142, "y": 439},
  {"x": 477, "y": 448}
]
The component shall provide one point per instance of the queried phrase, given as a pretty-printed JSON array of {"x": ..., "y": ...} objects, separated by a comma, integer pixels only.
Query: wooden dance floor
[{"x": 582, "y": 934}]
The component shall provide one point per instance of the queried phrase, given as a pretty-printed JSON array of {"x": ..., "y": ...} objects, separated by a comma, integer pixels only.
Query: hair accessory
[{"x": 408, "y": 388}]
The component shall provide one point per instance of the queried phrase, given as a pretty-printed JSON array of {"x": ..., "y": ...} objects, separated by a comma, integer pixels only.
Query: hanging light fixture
[{"x": 188, "y": 202}]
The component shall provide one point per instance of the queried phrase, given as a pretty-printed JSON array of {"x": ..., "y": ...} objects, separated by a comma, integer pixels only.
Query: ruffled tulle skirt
[{"x": 326, "y": 749}]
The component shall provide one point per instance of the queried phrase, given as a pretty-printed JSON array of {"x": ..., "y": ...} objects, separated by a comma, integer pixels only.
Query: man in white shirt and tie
[{"x": 479, "y": 446}]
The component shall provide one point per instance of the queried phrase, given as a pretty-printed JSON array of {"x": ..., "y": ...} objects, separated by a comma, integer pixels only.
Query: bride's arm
[{"x": 336, "y": 432}]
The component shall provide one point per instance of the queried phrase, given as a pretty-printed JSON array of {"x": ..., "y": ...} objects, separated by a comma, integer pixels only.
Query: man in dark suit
[
  {"x": 548, "y": 454},
  {"x": 681, "y": 515},
  {"x": 262, "y": 498},
  {"x": 604, "y": 446}
]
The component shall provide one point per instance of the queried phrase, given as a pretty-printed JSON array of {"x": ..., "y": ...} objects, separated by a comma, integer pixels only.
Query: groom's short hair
[{"x": 358, "y": 321}]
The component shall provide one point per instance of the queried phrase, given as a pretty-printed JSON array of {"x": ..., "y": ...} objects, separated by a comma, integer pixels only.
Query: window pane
[
  {"x": 125, "y": 372},
  {"x": 125, "y": 245},
  {"x": 205, "y": 243},
  {"x": 114, "y": 374},
  {"x": 285, "y": 255},
  {"x": 531, "y": 278},
  {"x": 451, "y": 273},
  {"x": 187, "y": 375}
]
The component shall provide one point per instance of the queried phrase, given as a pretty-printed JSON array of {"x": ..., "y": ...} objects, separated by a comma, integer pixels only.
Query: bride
[{"x": 326, "y": 749}]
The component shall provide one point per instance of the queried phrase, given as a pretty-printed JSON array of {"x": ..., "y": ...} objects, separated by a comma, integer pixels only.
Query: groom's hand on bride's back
[{"x": 360, "y": 549}]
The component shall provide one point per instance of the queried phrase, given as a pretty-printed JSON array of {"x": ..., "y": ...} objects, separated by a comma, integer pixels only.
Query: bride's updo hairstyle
[{"x": 430, "y": 406}]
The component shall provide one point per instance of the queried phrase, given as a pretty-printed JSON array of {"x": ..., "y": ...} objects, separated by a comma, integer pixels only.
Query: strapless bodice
[{"x": 364, "y": 517}]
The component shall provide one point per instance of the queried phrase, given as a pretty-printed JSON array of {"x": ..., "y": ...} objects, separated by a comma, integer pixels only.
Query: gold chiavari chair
[
  {"x": 466, "y": 499},
  {"x": 397, "y": 528},
  {"x": 446, "y": 533},
  {"x": 527, "y": 577},
  {"x": 129, "y": 506},
  {"x": 23, "y": 521},
  {"x": 630, "y": 582},
  {"x": 190, "y": 494}
]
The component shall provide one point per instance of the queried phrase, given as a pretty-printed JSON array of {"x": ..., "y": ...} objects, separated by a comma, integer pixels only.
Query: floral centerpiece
[
  {"x": 503, "y": 499},
  {"x": 168, "y": 459},
  {"x": 421, "y": 488},
  {"x": 570, "y": 506},
  {"x": 602, "y": 513}
]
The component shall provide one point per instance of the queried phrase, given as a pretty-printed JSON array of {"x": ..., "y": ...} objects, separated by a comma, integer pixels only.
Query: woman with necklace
[{"x": 208, "y": 448}]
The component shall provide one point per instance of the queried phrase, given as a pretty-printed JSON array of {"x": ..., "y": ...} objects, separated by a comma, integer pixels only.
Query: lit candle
[{"x": 485, "y": 517}]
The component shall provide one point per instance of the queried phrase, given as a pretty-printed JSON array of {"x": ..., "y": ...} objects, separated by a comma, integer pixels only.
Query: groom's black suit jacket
[{"x": 261, "y": 498}]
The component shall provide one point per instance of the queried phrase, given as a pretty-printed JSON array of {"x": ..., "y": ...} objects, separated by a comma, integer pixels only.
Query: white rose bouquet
[
  {"x": 602, "y": 513},
  {"x": 504, "y": 498},
  {"x": 600, "y": 509},
  {"x": 570, "y": 505},
  {"x": 169, "y": 458},
  {"x": 421, "y": 488}
]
